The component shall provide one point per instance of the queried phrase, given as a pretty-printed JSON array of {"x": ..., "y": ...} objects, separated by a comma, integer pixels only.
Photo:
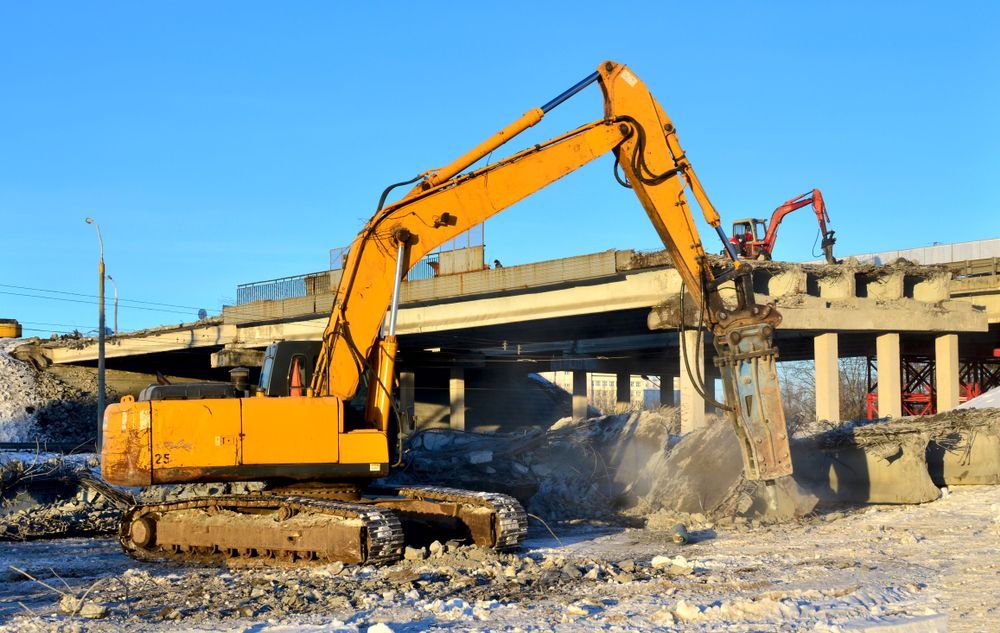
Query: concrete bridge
[{"x": 611, "y": 312}]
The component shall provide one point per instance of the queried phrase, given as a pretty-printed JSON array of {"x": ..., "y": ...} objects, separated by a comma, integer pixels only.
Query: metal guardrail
[
  {"x": 275, "y": 289},
  {"x": 425, "y": 268},
  {"x": 303, "y": 285},
  {"x": 338, "y": 256},
  {"x": 976, "y": 267}
]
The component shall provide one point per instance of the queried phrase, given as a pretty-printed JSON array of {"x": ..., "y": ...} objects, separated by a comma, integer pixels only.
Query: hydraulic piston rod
[
  {"x": 394, "y": 306},
  {"x": 528, "y": 119}
]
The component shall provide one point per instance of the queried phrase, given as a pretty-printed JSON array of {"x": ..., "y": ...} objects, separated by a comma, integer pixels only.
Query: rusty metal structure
[{"x": 917, "y": 372}]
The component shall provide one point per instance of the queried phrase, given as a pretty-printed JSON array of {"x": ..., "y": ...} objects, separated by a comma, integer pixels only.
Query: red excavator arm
[
  {"x": 815, "y": 198},
  {"x": 745, "y": 237}
]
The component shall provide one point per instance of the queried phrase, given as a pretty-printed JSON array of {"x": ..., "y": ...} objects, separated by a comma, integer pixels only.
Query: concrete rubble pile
[
  {"x": 576, "y": 469},
  {"x": 702, "y": 477},
  {"x": 888, "y": 462},
  {"x": 40, "y": 406},
  {"x": 49, "y": 496},
  {"x": 902, "y": 461}
]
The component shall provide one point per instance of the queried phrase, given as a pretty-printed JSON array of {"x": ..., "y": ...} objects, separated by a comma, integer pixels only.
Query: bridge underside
[{"x": 613, "y": 313}]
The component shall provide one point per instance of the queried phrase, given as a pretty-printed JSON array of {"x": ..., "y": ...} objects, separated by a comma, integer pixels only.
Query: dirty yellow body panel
[
  {"x": 192, "y": 435},
  {"x": 126, "y": 458},
  {"x": 364, "y": 447},
  {"x": 227, "y": 439},
  {"x": 291, "y": 430}
]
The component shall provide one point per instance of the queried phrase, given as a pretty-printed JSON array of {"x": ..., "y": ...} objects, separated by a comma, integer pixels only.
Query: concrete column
[
  {"x": 407, "y": 392},
  {"x": 946, "y": 371},
  {"x": 827, "y": 377},
  {"x": 579, "y": 393},
  {"x": 456, "y": 391},
  {"x": 623, "y": 390},
  {"x": 666, "y": 390},
  {"x": 692, "y": 405},
  {"x": 890, "y": 396}
]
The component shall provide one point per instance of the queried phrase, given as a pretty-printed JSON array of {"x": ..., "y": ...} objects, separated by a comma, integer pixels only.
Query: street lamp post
[
  {"x": 100, "y": 335},
  {"x": 115, "y": 286}
]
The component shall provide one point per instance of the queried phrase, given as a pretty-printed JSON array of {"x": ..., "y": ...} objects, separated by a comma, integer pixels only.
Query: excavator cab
[{"x": 747, "y": 236}]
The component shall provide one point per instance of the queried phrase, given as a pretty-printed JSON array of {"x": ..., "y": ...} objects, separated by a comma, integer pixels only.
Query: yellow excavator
[{"x": 321, "y": 452}]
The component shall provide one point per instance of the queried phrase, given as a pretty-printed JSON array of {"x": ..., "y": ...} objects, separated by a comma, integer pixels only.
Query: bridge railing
[{"x": 282, "y": 288}]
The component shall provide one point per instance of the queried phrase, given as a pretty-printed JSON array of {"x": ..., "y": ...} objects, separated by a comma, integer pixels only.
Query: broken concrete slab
[
  {"x": 965, "y": 446},
  {"x": 892, "y": 471},
  {"x": 965, "y": 457}
]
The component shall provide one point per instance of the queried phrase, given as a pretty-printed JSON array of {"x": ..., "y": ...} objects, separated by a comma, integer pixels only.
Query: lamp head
[{"x": 90, "y": 220}]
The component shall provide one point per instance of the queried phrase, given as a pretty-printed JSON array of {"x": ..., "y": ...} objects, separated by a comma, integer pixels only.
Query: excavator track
[
  {"x": 509, "y": 520},
  {"x": 283, "y": 528},
  {"x": 303, "y": 525}
]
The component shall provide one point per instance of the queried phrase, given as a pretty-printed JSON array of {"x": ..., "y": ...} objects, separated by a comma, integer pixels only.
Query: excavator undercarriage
[{"x": 320, "y": 523}]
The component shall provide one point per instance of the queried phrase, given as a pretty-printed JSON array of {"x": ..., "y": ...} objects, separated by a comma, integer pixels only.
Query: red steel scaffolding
[{"x": 975, "y": 376}]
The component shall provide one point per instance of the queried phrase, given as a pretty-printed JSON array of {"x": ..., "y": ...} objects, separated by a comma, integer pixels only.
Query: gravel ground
[{"x": 930, "y": 566}]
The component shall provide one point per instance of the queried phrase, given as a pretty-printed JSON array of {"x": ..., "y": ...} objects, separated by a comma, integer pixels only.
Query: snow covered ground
[
  {"x": 883, "y": 568},
  {"x": 990, "y": 399}
]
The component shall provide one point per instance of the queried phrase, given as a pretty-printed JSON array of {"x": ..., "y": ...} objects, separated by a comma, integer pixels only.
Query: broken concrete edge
[
  {"x": 936, "y": 426},
  {"x": 38, "y": 351},
  {"x": 815, "y": 314}
]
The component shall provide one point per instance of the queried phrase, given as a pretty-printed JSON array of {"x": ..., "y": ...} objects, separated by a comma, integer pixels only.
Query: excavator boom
[{"x": 447, "y": 202}]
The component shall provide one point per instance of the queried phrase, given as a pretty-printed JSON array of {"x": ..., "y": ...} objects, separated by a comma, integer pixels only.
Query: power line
[
  {"x": 75, "y": 325},
  {"x": 82, "y": 294},
  {"x": 30, "y": 296}
]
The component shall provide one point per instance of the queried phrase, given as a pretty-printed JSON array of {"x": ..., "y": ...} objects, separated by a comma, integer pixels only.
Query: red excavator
[{"x": 746, "y": 235}]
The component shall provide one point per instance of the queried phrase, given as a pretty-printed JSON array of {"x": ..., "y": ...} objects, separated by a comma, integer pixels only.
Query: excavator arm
[
  {"x": 815, "y": 198},
  {"x": 447, "y": 202}
]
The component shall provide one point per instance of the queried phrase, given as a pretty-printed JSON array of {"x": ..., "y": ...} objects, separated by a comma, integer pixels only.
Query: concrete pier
[{"x": 827, "y": 377}]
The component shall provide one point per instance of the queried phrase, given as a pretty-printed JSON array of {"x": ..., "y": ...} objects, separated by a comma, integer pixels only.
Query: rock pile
[{"x": 38, "y": 405}]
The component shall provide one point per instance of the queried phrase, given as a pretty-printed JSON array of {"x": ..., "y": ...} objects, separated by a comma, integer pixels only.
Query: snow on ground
[
  {"x": 928, "y": 566},
  {"x": 990, "y": 399}
]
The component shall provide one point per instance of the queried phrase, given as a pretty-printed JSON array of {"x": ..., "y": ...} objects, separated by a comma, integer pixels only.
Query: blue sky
[{"x": 225, "y": 142}]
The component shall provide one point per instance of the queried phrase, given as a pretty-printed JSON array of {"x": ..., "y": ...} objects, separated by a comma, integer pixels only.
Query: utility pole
[
  {"x": 100, "y": 335},
  {"x": 115, "y": 286}
]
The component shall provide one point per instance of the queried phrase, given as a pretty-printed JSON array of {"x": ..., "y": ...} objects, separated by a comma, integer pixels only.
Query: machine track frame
[{"x": 303, "y": 525}]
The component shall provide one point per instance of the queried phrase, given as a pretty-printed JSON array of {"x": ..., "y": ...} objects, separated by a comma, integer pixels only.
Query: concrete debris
[
  {"x": 886, "y": 472},
  {"x": 673, "y": 565},
  {"x": 853, "y": 573},
  {"x": 577, "y": 469},
  {"x": 165, "y": 493},
  {"x": 70, "y": 605},
  {"x": 702, "y": 477},
  {"x": 39, "y": 405},
  {"x": 907, "y": 460},
  {"x": 414, "y": 553},
  {"x": 480, "y": 457},
  {"x": 49, "y": 496}
]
